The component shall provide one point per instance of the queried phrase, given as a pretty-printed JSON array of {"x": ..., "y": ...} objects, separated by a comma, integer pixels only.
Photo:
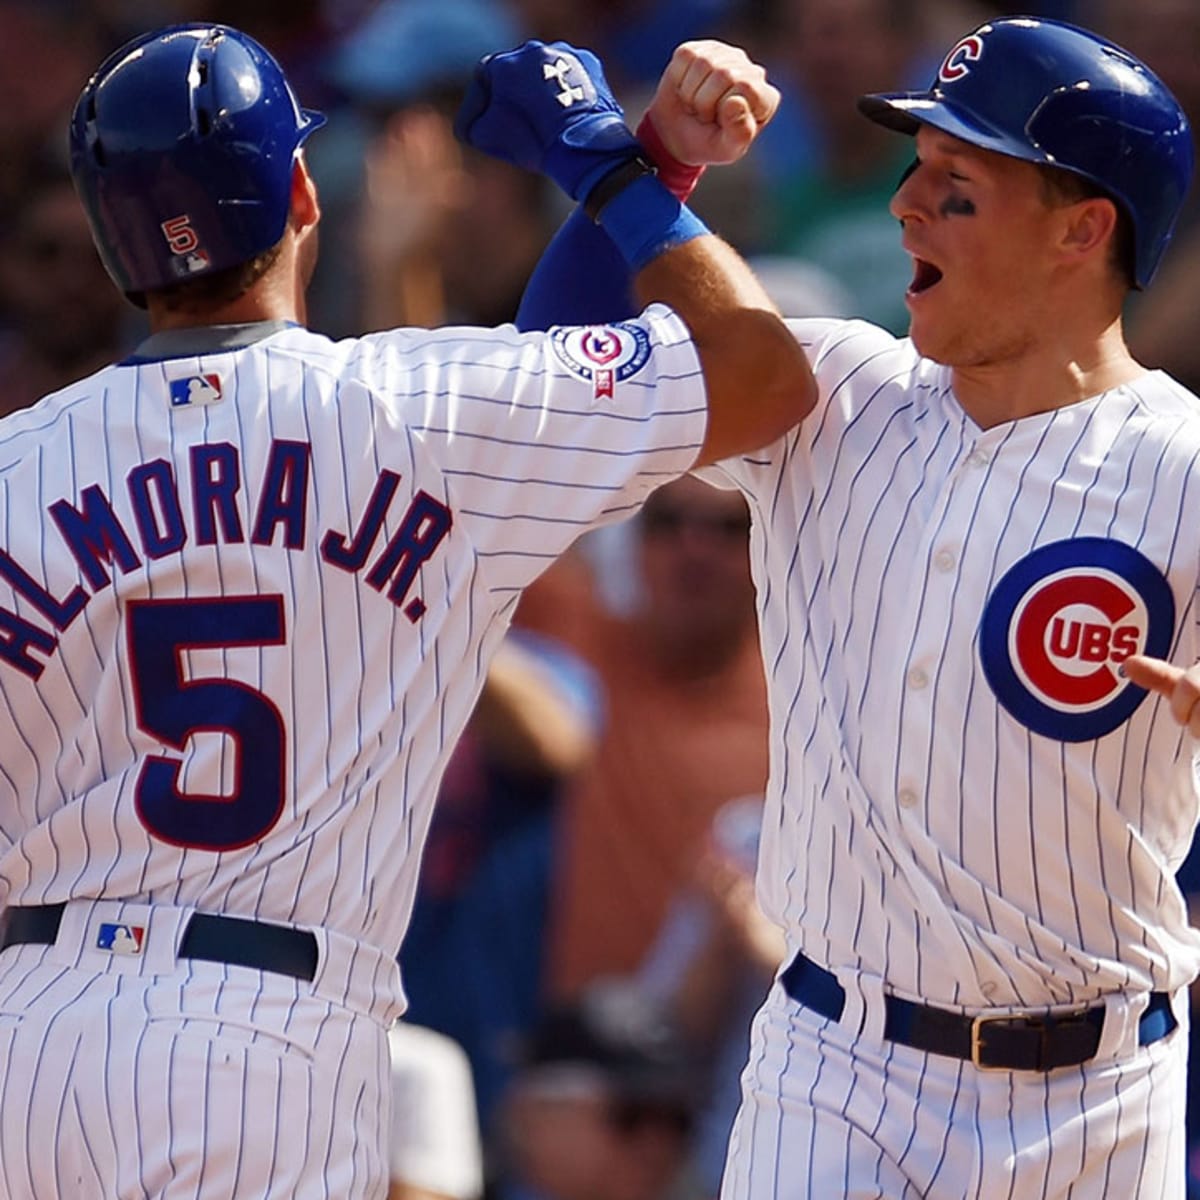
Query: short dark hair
[
  {"x": 1062, "y": 187},
  {"x": 219, "y": 287}
]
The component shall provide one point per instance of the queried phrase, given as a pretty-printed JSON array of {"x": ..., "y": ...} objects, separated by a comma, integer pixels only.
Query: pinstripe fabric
[
  {"x": 918, "y": 835},
  {"x": 827, "y": 1113},
  {"x": 283, "y": 599}
]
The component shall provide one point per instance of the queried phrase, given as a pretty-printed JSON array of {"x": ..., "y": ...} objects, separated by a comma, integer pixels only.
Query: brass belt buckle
[{"x": 977, "y": 1040}]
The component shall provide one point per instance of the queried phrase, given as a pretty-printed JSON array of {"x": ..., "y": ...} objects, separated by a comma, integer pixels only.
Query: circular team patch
[
  {"x": 1059, "y": 624},
  {"x": 603, "y": 354}
]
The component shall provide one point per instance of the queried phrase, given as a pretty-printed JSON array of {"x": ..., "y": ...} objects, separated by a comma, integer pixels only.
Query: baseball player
[
  {"x": 250, "y": 581},
  {"x": 973, "y": 559}
]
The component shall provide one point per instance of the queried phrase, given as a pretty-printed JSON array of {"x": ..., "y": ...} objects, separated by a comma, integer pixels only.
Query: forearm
[{"x": 758, "y": 379}]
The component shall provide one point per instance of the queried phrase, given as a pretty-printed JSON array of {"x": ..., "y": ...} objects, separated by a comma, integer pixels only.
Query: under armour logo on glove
[
  {"x": 547, "y": 107},
  {"x": 559, "y": 71}
]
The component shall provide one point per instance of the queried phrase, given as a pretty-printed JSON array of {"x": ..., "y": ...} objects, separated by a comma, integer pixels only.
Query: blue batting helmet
[
  {"x": 1051, "y": 93},
  {"x": 182, "y": 148}
]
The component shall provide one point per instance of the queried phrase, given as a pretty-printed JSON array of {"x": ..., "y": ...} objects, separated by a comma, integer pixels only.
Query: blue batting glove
[{"x": 547, "y": 107}]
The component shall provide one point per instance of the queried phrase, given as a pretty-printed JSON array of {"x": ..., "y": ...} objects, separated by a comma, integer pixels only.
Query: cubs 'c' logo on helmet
[
  {"x": 1059, "y": 624},
  {"x": 957, "y": 63}
]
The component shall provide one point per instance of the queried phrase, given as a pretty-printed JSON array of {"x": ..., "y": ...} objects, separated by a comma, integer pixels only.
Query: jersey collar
[{"x": 203, "y": 339}]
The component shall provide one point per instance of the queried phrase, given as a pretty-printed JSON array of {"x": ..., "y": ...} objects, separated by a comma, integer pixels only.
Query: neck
[
  {"x": 1047, "y": 375},
  {"x": 277, "y": 296}
]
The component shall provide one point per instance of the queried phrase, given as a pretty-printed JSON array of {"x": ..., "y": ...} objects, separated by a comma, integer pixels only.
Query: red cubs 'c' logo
[
  {"x": 1069, "y": 634},
  {"x": 957, "y": 63},
  {"x": 601, "y": 345}
]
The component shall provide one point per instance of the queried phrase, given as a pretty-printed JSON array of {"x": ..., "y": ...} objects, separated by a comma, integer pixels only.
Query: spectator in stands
[
  {"x": 684, "y": 728},
  {"x": 600, "y": 1107},
  {"x": 60, "y": 318}
]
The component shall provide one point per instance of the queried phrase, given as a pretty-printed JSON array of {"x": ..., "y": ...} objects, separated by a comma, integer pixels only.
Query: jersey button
[
  {"x": 945, "y": 560},
  {"x": 917, "y": 679},
  {"x": 907, "y": 798},
  {"x": 978, "y": 458}
]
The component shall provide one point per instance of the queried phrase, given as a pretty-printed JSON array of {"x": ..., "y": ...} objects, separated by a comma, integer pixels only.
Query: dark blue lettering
[
  {"x": 352, "y": 557},
  {"x": 216, "y": 481},
  {"x": 284, "y": 497},
  {"x": 17, "y": 636},
  {"x": 59, "y": 612},
  {"x": 162, "y": 531},
  {"x": 94, "y": 534},
  {"x": 425, "y": 524}
]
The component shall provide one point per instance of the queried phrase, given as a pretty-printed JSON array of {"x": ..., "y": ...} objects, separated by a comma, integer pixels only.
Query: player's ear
[
  {"x": 305, "y": 207},
  {"x": 1088, "y": 229}
]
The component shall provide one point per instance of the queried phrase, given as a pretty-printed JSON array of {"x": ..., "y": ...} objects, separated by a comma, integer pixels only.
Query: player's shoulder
[
  {"x": 843, "y": 350},
  {"x": 1161, "y": 395},
  {"x": 1161, "y": 413},
  {"x": 27, "y": 427}
]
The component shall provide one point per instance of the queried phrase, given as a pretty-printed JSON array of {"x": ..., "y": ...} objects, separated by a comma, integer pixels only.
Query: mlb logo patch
[
  {"x": 195, "y": 389},
  {"x": 120, "y": 939}
]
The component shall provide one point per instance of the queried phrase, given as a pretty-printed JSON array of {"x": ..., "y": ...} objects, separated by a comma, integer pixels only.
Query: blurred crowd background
[{"x": 586, "y": 950}]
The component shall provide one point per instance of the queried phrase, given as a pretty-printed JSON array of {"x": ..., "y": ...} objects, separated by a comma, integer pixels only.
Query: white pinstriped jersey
[
  {"x": 966, "y": 799},
  {"x": 247, "y": 598}
]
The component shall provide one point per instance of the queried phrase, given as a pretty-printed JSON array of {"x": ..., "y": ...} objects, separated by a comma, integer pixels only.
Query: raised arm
[
  {"x": 710, "y": 104},
  {"x": 548, "y": 107}
]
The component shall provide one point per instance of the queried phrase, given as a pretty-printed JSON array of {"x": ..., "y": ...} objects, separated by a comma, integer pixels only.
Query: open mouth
[{"x": 925, "y": 276}]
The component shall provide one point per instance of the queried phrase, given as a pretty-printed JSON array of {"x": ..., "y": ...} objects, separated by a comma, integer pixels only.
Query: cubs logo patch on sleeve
[
  {"x": 604, "y": 354},
  {"x": 1059, "y": 624}
]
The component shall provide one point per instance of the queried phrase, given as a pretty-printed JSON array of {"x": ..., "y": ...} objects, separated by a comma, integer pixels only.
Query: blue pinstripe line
[
  {"x": 172, "y": 1073},
  {"x": 821, "y": 1062},
  {"x": 149, "y": 854},
  {"x": 64, "y": 1008},
  {"x": 964, "y": 787},
  {"x": 245, "y": 1130},
  {"x": 279, "y": 1121},
  {"x": 816, "y": 797},
  {"x": 60, "y": 407},
  {"x": 255, "y": 854},
  {"x": 306, "y": 1131},
  {"x": 930, "y": 541},
  {"x": 868, "y": 524},
  {"x": 143, "y": 1031},
  {"x": 385, "y": 639},
  {"x": 883, "y": 572},
  {"x": 338, "y": 1081},
  {"x": 202, "y": 1116},
  {"x": 5, "y": 1104},
  {"x": 509, "y": 401},
  {"x": 84, "y": 1142},
  {"x": 574, "y": 450},
  {"x": 359, "y": 1151},
  {"x": 63, "y": 662}
]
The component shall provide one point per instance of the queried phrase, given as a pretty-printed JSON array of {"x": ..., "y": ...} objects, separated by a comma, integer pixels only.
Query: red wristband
[{"x": 680, "y": 179}]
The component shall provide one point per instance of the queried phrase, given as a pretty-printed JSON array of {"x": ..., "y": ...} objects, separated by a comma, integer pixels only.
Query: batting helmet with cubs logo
[
  {"x": 182, "y": 147},
  {"x": 1051, "y": 93}
]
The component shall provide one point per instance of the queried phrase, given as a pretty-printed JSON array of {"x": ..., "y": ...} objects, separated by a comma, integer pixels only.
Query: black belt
[
  {"x": 231, "y": 940},
  {"x": 1003, "y": 1042}
]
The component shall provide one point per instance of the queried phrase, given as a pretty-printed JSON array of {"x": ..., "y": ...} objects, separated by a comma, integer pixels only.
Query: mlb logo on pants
[{"x": 120, "y": 939}]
